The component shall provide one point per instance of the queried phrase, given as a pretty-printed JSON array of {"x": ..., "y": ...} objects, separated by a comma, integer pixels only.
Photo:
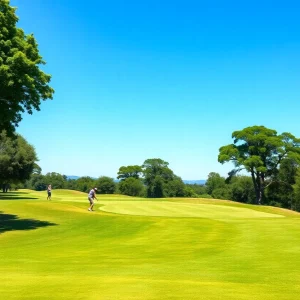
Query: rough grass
[{"x": 58, "y": 250}]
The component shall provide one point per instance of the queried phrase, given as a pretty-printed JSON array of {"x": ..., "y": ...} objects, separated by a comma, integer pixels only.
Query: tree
[
  {"x": 37, "y": 169},
  {"x": 22, "y": 84},
  {"x": 214, "y": 181},
  {"x": 129, "y": 171},
  {"x": 242, "y": 189},
  {"x": 196, "y": 190},
  {"x": 260, "y": 151},
  {"x": 156, "y": 175},
  {"x": 17, "y": 160},
  {"x": 295, "y": 205},
  {"x": 156, "y": 188},
  {"x": 190, "y": 192},
  {"x": 175, "y": 188},
  {"x": 131, "y": 187},
  {"x": 57, "y": 180},
  {"x": 216, "y": 186},
  {"x": 105, "y": 185},
  {"x": 84, "y": 184},
  {"x": 280, "y": 192},
  {"x": 71, "y": 184},
  {"x": 37, "y": 182},
  {"x": 288, "y": 170}
]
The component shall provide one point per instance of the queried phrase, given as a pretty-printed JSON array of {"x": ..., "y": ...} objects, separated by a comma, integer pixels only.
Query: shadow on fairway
[
  {"x": 16, "y": 196},
  {"x": 14, "y": 193},
  {"x": 12, "y": 222}
]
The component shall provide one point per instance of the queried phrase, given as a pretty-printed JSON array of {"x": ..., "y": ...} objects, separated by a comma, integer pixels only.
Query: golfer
[
  {"x": 91, "y": 197},
  {"x": 49, "y": 192}
]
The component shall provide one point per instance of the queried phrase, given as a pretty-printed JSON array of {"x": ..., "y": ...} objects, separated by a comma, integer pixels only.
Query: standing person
[
  {"x": 49, "y": 192},
  {"x": 91, "y": 197}
]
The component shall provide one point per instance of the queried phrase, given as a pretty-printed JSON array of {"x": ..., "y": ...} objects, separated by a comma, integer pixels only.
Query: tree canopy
[
  {"x": 105, "y": 185},
  {"x": 260, "y": 151},
  {"x": 129, "y": 171},
  {"x": 17, "y": 159},
  {"x": 160, "y": 180},
  {"x": 22, "y": 83}
]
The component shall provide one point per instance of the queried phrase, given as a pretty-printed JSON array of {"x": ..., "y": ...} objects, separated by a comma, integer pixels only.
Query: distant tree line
[
  {"x": 39, "y": 182},
  {"x": 154, "y": 179},
  {"x": 272, "y": 160}
]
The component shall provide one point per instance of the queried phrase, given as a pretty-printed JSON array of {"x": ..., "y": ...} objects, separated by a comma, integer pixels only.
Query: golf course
[{"x": 137, "y": 248}]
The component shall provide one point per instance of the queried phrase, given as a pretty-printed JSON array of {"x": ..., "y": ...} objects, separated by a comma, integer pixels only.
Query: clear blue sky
[{"x": 160, "y": 79}]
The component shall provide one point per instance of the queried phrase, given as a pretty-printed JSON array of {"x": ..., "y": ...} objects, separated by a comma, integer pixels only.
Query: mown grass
[{"x": 58, "y": 250}]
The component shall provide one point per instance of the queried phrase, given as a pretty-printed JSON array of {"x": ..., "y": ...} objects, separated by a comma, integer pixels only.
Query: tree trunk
[
  {"x": 260, "y": 196},
  {"x": 255, "y": 181},
  {"x": 4, "y": 187},
  {"x": 259, "y": 188}
]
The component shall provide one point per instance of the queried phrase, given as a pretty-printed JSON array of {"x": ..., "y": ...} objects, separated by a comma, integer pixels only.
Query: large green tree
[
  {"x": 22, "y": 83},
  {"x": 156, "y": 175},
  {"x": 17, "y": 160},
  {"x": 260, "y": 151},
  {"x": 105, "y": 185}
]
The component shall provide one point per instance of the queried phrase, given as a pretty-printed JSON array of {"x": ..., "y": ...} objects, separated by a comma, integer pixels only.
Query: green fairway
[
  {"x": 167, "y": 209},
  {"x": 134, "y": 248}
]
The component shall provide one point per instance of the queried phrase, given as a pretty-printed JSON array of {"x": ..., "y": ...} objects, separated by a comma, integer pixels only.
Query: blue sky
[{"x": 160, "y": 79}]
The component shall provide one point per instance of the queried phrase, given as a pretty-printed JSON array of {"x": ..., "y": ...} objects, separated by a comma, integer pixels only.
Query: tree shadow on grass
[
  {"x": 13, "y": 222},
  {"x": 14, "y": 193},
  {"x": 16, "y": 196}
]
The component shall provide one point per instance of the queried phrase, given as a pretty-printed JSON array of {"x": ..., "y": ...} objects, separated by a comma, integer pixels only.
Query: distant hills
[
  {"x": 200, "y": 182},
  {"x": 72, "y": 177}
]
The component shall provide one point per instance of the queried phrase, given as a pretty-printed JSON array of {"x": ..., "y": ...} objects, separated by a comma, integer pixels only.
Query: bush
[
  {"x": 189, "y": 192},
  {"x": 205, "y": 196},
  {"x": 222, "y": 193},
  {"x": 275, "y": 203},
  {"x": 197, "y": 188}
]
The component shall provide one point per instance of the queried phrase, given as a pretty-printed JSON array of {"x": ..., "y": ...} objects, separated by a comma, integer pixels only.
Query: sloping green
[
  {"x": 167, "y": 209},
  {"x": 203, "y": 249}
]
